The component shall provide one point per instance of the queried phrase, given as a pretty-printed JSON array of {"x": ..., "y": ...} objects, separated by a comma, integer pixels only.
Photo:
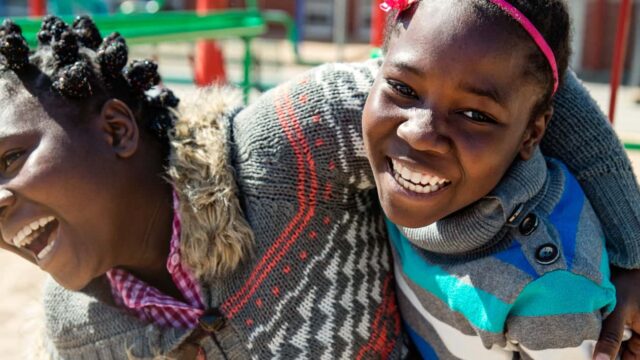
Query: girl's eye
[
  {"x": 478, "y": 116},
  {"x": 402, "y": 89},
  {"x": 9, "y": 158}
]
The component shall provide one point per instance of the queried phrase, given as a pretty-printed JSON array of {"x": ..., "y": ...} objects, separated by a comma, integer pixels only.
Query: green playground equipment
[
  {"x": 245, "y": 23},
  {"x": 141, "y": 28}
]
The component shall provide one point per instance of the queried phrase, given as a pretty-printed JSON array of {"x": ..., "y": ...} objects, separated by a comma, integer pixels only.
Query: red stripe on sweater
[
  {"x": 300, "y": 221},
  {"x": 381, "y": 342}
]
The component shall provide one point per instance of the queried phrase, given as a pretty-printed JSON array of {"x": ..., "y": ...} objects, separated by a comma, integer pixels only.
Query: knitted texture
[
  {"x": 511, "y": 286},
  {"x": 578, "y": 136},
  {"x": 316, "y": 279}
]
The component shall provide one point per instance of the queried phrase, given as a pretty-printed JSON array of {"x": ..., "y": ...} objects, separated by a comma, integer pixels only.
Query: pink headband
[{"x": 402, "y": 5}]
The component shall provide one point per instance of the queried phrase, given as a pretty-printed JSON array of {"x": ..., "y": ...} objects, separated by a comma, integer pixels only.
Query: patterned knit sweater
[
  {"x": 523, "y": 270},
  {"x": 318, "y": 282}
]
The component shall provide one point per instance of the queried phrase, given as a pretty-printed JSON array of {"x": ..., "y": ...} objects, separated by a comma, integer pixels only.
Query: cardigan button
[
  {"x": 515, "y": 214},
  {"x": 547, "y": 254},
  {"x": 529, "y": 224}
]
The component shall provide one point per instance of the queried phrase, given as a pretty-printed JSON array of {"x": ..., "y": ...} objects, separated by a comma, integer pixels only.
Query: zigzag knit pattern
[{"x": 322, "y": 287}]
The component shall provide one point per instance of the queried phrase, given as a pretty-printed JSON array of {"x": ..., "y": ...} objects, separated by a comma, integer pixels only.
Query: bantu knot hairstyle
[
  {"x": 112, "y": 55},
  {"x": 142, "y": 75},
  {"x": 73, "y": 80},
  {"x": 51, "y": 26},
  {"x": 87, "y": 32},
  {"x": 13, "y": 46},
  {"x": 9, "y": 27},
  {"x": 65, "y": 47},
  {"x": 73, "y": 63},
  {"x": 164, "y": 120}
]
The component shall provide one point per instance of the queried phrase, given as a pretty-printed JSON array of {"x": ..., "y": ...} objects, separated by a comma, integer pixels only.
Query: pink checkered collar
[{"x": 148, "y": 303}]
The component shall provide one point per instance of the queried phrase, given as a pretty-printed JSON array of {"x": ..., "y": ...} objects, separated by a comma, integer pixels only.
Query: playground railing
[{"x": 246, "y": 24}]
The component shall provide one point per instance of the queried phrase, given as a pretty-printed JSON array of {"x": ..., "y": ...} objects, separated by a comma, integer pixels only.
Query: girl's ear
[
  {"x": 120, "y": 128},
  {"x": 534, "y": 133}
]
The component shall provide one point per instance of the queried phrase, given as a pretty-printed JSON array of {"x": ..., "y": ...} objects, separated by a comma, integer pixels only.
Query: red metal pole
[
  {"x": 619, "y": 53},
  {"x": 596, "y": 20},
  {"x": 209, "y": 60},
  {"x": 37, "y": 7},
  {"x": 378, "y": 18}
]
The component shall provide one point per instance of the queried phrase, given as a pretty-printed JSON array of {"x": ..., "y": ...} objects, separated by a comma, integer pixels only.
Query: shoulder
[
  {"x": 82, "y": 324},
  {"x": 326, "y": 89},
  {"x": 557, "y": 231}
]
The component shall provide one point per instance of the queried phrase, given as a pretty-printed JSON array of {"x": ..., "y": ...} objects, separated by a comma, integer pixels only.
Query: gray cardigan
[{"x": 321, "y": 273}]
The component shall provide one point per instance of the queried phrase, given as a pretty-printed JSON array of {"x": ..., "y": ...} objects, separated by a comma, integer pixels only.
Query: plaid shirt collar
[{"x": 148, "y": 303}]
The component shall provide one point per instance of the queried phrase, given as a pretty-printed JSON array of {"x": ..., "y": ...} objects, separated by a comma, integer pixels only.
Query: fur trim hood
[{"x": 215, "y": 235}]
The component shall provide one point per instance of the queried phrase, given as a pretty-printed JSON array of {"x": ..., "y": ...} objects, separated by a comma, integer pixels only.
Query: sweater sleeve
[
  {"x": 580, "y": 136},
  {"x": 559, "y": 315},
  {"x": 307, "y": 128}
]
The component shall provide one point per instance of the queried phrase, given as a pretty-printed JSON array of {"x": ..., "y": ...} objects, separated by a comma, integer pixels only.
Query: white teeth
[
  {"x": 415, "y": 181},
  {"x": 46, "y": 251},
  {"x": 426, "y": 179},
  {"x": 416, "y": 188},
  {"x": 23, "y": 238},
  {"x": 406, "y": 173}
]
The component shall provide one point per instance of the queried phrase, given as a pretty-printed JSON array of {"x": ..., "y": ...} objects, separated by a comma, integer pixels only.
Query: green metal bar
[
  {"x": 168, "y": 26},
  {"x": 632, "y": 146},
  {"x": 246, "y": 83}
]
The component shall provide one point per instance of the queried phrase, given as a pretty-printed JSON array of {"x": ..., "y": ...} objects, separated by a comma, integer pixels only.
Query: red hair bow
[{"x": 400, "y": 5}]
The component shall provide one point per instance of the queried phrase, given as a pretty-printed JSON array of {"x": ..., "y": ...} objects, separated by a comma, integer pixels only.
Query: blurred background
[{"x": 256, "y": 44}]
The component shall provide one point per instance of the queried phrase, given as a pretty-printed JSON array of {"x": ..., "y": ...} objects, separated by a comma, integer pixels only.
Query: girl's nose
[
  {"x": 7, "y": 198},
  {"x": 423, "y": 132}
]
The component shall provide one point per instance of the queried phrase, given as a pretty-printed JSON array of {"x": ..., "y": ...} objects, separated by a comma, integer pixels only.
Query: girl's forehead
[
  {"x": 448, "y": 36},
  {"x": 21, "y": 110}
]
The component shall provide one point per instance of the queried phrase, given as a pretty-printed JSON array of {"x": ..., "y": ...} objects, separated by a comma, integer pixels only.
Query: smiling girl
[
  {"x": 215, "y": 231},
  {"x": 497, "y": 250}
]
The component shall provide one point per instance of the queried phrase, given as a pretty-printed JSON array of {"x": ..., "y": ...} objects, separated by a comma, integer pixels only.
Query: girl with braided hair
[{"x": 212, "y": 231}]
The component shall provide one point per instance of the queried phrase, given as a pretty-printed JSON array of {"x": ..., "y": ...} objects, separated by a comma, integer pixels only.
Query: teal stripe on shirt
[
  {"x": 552, "y": 294},
  {"x": 555, "y": 293},
  {"x": 483, "y": 310}
]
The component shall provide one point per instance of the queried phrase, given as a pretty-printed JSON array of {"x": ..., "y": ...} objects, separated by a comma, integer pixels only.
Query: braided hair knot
[
  {"x": 87, "y": 32},
  {"x": 162, "y": 117},
  {"x": 65, "y": 46},
  {"x": 13, "y": 46},
  {"x": 73, "y": 81},
  {"x": 142, "y": 75},
  {"x": 112, "y": 56},
  {"x": 9, "y": 27}
]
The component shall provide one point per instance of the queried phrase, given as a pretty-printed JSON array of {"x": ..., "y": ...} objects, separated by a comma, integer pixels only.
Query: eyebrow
[
  {"x": 489, "y": 91},
  {"x": 403, "y": 65}
]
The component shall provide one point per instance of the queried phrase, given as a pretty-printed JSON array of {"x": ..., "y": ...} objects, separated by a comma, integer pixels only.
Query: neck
[{"x": 148, "y": 261}]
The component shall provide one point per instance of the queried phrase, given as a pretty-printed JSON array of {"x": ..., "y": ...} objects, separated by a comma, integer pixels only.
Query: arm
[
  {"x": 580, "y": 136},
  {"x": 309, "y": 126},
  {"x": 559, "y": 315}
]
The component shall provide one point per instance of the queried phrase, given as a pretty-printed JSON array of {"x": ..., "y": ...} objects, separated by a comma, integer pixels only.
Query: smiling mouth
[
  {"x": 35, "y": 237},
  {"x": 417, "y": 182}
]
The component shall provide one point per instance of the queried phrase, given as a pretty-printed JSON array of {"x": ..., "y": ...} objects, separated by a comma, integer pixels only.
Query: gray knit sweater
[{"x": 319, "y": 281}]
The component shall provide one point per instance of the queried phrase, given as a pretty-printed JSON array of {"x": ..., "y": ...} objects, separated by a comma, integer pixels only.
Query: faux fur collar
[{"x": 215, "y": 235}]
